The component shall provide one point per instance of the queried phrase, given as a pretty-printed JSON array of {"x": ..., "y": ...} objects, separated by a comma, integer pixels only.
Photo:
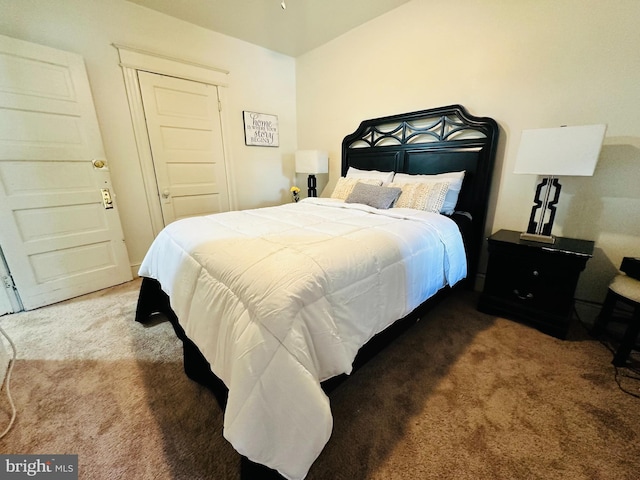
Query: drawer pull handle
[{"x": 528, "y": 296}]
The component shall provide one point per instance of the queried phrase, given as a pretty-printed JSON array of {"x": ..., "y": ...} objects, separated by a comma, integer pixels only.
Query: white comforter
[{"x": 279, "y": 299}]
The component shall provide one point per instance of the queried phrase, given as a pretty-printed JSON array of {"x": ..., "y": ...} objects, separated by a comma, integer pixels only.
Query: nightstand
[{"x": 534, "y": 282}]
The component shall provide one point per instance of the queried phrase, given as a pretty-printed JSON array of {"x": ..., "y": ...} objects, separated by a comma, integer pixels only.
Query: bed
[{"x": 277, "y": 306}]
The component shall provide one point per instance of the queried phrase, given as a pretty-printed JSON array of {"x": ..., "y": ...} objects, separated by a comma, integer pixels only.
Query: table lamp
[
  {"x": 312, "y": 162},
  {"x": 553, "y": 152}
]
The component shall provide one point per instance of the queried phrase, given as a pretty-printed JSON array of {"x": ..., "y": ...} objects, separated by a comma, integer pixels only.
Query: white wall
[
  {"x": 527, "y": 64},
  {"x": 260, "y": 80}
]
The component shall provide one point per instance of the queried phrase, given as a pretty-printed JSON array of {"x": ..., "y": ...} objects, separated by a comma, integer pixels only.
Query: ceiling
[{"x": 301, "y": 27}]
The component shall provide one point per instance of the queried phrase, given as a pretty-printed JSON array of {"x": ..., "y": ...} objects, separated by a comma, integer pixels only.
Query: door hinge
[
  {"x": 219, "y": 106},
  {"x": 7, "y": 281}
]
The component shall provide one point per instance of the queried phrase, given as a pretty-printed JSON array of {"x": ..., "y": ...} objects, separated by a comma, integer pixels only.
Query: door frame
[{"x": 133, "y": 60}]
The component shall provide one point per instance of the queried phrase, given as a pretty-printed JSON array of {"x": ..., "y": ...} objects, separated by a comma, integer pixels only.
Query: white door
[
  {"x": 60, "y": 235},
  {"x": 185, "y": 134},
  {"x": 5, "y": 304},
  {"x": 8, "y": 299}
]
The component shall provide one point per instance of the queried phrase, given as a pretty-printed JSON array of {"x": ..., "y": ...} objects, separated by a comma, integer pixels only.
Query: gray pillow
[{"x": 373, "y": 195}]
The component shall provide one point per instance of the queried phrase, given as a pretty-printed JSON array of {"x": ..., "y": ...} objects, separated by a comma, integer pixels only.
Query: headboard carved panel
[{"x": 438, "y": 140}]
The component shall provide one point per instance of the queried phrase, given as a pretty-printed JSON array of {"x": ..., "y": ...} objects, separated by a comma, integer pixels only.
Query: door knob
[
  {"x": 166, "y": 193},
  {"x": 97, "y": 163}
]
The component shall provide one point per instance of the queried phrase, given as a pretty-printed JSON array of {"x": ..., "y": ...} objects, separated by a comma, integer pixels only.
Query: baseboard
[{"x": 135, "y": 268}]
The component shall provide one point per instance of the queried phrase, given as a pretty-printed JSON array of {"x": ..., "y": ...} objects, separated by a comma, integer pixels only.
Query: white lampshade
[
  {"x": 312, "y": 161},
  {"x": 560, "y": 151}
]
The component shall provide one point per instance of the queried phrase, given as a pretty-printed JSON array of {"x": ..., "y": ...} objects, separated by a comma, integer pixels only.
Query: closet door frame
[{"x": 133, "y": 60}]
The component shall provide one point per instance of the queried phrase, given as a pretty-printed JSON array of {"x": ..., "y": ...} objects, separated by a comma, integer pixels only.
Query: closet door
[
  {"x": 185, "y": 134},
  {"x": 61, "y": 233}
]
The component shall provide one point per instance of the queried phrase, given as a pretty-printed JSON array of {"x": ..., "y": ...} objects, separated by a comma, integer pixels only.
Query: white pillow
[
  {"x": 422, "y": 196},
  {"x": 455, "y": 184},
  {"x": 345, "y": 186},
  {"x": 384, "y": 177}
]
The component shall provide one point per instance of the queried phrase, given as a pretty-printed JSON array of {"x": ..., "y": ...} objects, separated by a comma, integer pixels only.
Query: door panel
[
  {"x": 185, "y": 134},
  {"x": 58, "y": 238},
  {"x": 8, "y": 300}
]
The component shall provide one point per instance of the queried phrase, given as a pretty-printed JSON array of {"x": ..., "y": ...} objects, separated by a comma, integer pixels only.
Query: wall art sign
[{"x": 260, "y": 129}]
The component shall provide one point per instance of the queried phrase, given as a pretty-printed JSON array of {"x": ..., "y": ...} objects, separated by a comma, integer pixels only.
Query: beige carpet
[{"x": 463, "y": 395}]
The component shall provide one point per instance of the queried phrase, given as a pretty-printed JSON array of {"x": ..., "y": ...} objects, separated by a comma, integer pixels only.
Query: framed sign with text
[{"x": 260, "y": 129}]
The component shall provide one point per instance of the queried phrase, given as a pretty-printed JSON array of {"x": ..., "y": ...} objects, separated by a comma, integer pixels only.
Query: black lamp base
[
  {"x": 311, "y": 184},
  {"x": 539, "y": 231}
]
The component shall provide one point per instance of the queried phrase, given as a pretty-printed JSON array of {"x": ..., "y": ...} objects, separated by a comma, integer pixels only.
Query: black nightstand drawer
[{"x": 533, "y": 282}]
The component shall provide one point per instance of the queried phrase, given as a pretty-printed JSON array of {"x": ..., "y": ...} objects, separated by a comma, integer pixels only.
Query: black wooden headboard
[{"x": 438, "y": 140}]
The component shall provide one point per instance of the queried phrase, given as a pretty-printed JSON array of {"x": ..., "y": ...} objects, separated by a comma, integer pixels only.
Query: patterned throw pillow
[
  {"x": 345, "y": 185},
  {"x": 455, "y": 185},
  {"x": 422, "y": 196},
  {"x": 373, "y": 195}
]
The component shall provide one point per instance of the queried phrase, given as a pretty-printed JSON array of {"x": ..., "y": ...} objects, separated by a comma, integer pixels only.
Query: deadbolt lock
[{"x": 106, "y": 198}]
